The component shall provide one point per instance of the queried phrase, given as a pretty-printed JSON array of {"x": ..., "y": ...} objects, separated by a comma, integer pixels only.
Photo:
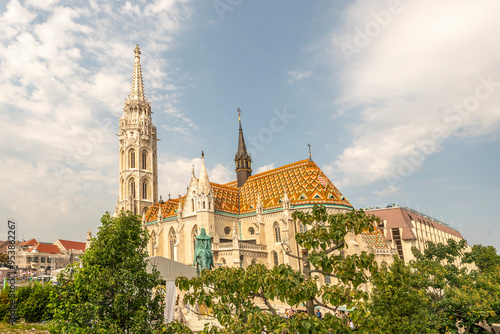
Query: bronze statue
[{"x": 203, "y": 256}]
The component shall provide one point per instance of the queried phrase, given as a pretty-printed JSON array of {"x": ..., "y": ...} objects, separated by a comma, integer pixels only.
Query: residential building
[
  {"x": 405, "y": 228},
  {"x": 42, "y": 256}
]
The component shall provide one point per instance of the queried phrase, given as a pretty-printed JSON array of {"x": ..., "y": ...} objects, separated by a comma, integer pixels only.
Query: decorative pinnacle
[
  {"x": 309, "y": 150},
  {"x": 137, "y": 88},
  {"x": 202, "y": 154},
  {"x": 239, "y": 116}
]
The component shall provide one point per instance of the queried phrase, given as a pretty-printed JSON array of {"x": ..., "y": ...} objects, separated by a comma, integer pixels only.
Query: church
[{"x": 249, "y": 219}]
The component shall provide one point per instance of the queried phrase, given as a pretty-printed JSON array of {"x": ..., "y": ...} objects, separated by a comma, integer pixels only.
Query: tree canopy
[
  {"x": 243, "y": 300},
  {"x": 485, "y": 258},
  {"x": 111, "y": 292},
  {"x": 435, "y": 293}
]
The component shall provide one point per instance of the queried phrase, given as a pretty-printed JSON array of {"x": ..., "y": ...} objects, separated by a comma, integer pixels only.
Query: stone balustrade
[{"x": 241, "y": 245}]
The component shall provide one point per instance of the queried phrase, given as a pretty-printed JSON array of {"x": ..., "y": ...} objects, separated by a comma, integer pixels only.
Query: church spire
[
  {"x": 137, "y": 89},
  {"x": 203, "y": 184},
  {"x": 138, "y": 164},
  {"x": 242, "y": 158}
]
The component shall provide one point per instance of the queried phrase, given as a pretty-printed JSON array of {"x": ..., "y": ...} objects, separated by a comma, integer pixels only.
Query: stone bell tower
[{"x": 138, "y": 160}]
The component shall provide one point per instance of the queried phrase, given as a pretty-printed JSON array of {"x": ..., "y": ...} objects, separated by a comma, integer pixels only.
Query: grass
[{"x": 21, "y": 327}]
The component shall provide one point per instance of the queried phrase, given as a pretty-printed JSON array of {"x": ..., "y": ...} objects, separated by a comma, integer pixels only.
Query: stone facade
[{"x": 138, "y": 161}]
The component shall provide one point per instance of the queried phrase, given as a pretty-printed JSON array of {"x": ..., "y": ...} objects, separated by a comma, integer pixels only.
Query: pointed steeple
[
  {"x": 242, "y": 159},
  {"x": 242, "y": 148},
  {"x": 137, "y": 89},
  {"x": 203, "y": 184}
]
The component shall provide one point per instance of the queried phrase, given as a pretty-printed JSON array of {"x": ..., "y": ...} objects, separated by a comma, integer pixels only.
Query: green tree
[
  {"x": 242, "y": 299},
  {"x": 111, "y": 292},
  {"x": 4, "y": 303},
  {"x": 435, "y": 293},
  {"x": 32, "y": 302},
  {"x": 457, "y": 297},
  {"x": 397, "y": 303},
  {"x": 485, "y": 258}
]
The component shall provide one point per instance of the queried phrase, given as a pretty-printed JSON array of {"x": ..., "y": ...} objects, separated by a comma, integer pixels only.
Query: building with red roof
[
  {"x": 67, "y": 246},
  {"x": 404, "y": 228},
  {"x": 43, "y": 256}
]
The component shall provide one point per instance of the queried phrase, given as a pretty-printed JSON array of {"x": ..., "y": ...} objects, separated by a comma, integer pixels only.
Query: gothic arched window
[
  {"x": 277, "y": 232},
  {"x": 275, "y": 258},
  {"x": 192, "y": 204},
  {"x": 303, "y": 228},
  {"x": 145, "y": 189},
  {"x": 132, "y": 188},
  {"x": 144, "y": 164},
  {"x": 172, "y": 239},
  {"x": 132, "y": 158}
]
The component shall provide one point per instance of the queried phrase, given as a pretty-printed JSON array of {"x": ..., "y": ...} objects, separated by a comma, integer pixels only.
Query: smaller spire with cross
[{"x": 310, "y": 155}]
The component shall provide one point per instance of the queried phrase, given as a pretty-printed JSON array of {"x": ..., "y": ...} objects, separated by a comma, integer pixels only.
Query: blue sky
[{"x": 398, "y": 99}]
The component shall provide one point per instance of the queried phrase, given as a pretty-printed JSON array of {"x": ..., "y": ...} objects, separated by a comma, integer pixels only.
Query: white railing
[{"x": 241, "y": 245}]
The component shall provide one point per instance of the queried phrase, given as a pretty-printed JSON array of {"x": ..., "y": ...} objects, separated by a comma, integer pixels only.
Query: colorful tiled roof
[
  {"x": 375, "y": 239},
  {"x": 168, "y": 209},
  {"x": 226, "y": 198},
  {"x": 303, "y": 181}
]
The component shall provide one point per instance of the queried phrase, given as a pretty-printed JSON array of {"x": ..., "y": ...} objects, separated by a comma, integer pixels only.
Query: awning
[
  {"x": 345, "y": 309},
  {"x": 169, "y": 269}
]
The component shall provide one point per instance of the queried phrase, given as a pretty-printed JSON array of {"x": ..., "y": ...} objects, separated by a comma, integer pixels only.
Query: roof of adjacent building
[
  {"x": 71, "y": 245},
  {"x": 31, "y": 242},
  {"x": 45, "y": 248},
  {"x": 399, "y": 217},
  {"x": 4, "y": 246},
  {"x": 303, "y": 181}
]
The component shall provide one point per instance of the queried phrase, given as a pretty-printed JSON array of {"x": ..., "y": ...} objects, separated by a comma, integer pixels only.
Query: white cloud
[
  {"x": 265, "y": 168},
  {"x": 432, "y": 56},
  {"x": 66, "y": 70},
  {"x": 386, "y": 191},
  {"x": 297, "y": 76},
  {"x": 221, "y": 174},
  {"x": 175, "y": 174}
]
